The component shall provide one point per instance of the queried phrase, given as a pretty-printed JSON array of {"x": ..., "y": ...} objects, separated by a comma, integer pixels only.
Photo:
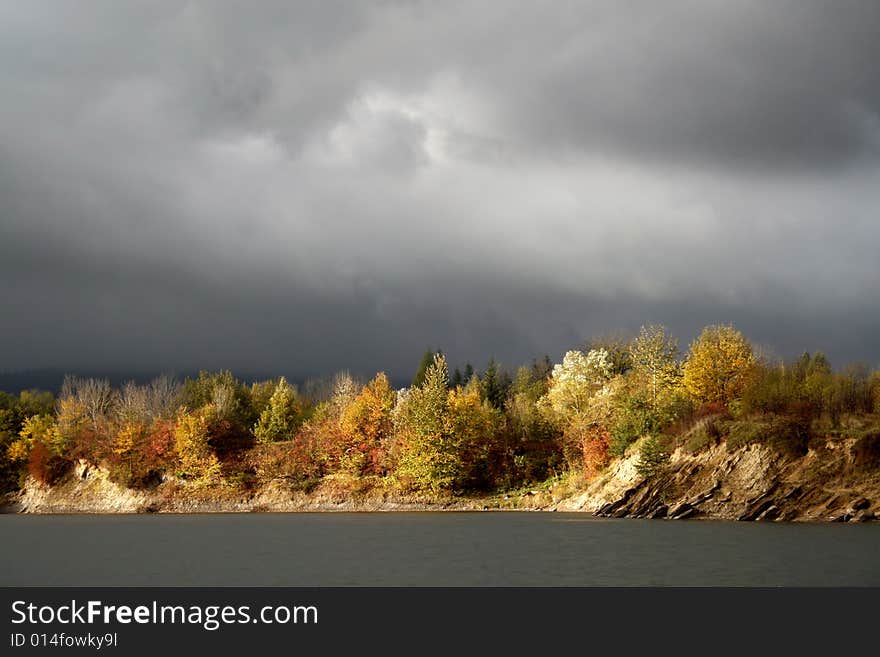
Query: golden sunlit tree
[
  {"x": 718, "y": 365},
  {"x": 196, "y": 459}
]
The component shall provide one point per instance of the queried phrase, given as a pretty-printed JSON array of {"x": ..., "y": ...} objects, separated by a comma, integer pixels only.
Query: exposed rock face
[
  {"x": 753, "y": 483},
  {"x": 85, "y": 488}
]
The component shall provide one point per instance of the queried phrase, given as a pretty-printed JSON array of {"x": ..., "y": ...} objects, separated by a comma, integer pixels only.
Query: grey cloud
[{"x": 304, "y": 189}]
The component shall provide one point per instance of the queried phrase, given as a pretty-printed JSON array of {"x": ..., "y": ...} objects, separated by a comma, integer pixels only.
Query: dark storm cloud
[{"x": 270, "y": 188}]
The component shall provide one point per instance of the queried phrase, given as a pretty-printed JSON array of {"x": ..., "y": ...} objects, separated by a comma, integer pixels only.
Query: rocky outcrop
[
  {"x": 85, "y": 488},
  {"x": 753, "y": 483}
]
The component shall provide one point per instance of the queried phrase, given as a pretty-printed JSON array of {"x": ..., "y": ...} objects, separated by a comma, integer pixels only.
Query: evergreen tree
[
  {"x": 278, "y": 419},
  {"x": 652, "y": 457},
  {"x": 491, "y": 390},
  {"x": 426, "y": 454},
  {"x": 542, "y": 369},
  {"x": 426, "y": 362}
]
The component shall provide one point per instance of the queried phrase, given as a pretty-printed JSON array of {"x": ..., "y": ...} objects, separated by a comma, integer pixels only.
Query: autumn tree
[
  {"x": 126, "y": 444},
  {"x": 617, "y": 346},
  {"x": 163, "y": 397},
  {"x": 345, "y": 390},
  {"x": 574, "y": 386},
  {"x": 367, "y": 424},
  {"x": 576, "y": 380},
  {"x": 718, "y": 365},
  {"x": 196, "y": 459},
  {"x": 473, "y": 427},
  {"x": 96, "y": 397},
  {"x": 42, "y": 447}
]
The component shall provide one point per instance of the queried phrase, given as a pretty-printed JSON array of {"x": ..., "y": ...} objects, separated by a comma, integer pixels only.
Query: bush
[
  {"x": 866, "y": 453},
  {"x": 45, "y": 466},
  {"x": 703, "y": 434},
  {"x": 789, "y": 436},
  {"x": 653, "y": 455},
  {"x": 634, "y": 419},
  {"x": 596, "y": 450},
  {"x": 744, "y": 432}
]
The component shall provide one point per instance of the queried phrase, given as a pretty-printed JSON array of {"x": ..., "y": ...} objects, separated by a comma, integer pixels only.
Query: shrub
[
  {"x": 44, "y": 465},
  {"x": 596, "y": 450},
  {"x": 703, "y": 434},
  {"x": 866, "y": 453},
  {"x": 744, "y": 432},
  {"x": 789, "y": 436},
  {"x": 635, "y": 418},
  {"x": 653, "y": 455}
]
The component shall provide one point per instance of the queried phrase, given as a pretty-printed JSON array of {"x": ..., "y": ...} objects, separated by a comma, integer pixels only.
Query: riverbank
[{"x": 834, "y": 481}]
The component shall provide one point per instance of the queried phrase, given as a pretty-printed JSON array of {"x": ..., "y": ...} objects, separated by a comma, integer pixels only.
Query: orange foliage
[
  {"x": 595, "y": 447},
  {"x": 44, "y": 466}
]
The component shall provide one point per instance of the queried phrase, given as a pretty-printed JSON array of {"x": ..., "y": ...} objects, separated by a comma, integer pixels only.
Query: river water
[{"x": 429, "y": 549}]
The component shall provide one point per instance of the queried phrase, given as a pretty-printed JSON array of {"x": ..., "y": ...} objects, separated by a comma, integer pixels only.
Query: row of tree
[{"x": 444, "y": 433}]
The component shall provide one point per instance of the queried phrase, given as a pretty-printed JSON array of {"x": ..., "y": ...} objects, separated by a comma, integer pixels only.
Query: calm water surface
[{"x": 432, "y": 549}]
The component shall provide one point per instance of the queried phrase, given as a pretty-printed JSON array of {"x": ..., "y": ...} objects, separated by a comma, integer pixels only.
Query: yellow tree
[
  {"x": 127, "y": 439},
  {"x": 472, "y": 425},
  {"x": 369, "y": 415},
  {"x": 718, "y": 365},
  {"x": 197, "y": 460},
  {"x": 366, "y": 424}
]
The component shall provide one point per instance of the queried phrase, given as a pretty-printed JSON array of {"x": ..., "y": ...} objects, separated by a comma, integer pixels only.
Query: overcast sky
[{"x": 272, "y": 189}]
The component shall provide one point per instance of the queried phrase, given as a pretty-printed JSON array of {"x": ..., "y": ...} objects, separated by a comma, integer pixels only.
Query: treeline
[{"x": 447, "y": 432}]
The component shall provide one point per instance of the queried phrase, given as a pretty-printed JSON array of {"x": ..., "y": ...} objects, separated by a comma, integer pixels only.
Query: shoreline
[{"x": 747, "y": 483}]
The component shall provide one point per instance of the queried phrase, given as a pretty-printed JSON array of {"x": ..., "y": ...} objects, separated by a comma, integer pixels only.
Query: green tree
[
  {"x": 494, "y": 384},
  {"x": 653, "y": 455},
  {"x": 279, "y": 419},
  {"x": 426, "y": 455},
  {"x": 424, "y": 365},
  {"x": 542, "y": 369}
]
